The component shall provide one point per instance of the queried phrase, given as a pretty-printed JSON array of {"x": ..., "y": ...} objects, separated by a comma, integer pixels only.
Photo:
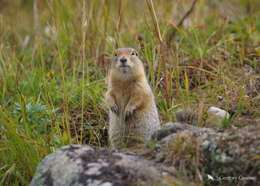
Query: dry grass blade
[
  {"x": 36, "y": 17},
  {"x": 172, "y": 31},
  {"x": 155, "y": 20}
]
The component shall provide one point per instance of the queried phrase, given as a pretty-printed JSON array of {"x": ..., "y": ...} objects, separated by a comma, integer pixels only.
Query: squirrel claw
[
  {"x": 128, "y": 113},
  {"x": 114, "y": 109}
]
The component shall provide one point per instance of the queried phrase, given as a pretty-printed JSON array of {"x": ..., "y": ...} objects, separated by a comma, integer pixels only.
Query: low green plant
[{"x": 36, "y": 115}]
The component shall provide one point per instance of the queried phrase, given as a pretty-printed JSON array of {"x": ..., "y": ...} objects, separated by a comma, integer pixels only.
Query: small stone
[
  {"x": 106, "y": 184},
  {"x": 218, "y": 112},
  {"x": 217, "y": 116}
]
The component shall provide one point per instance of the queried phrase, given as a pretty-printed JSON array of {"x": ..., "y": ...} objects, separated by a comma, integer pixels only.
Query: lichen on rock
[{"x": 84, "y": 165}]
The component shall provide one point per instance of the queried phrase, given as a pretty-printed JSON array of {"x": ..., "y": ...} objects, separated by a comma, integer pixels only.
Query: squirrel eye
[{"x": 134, "y": 53}]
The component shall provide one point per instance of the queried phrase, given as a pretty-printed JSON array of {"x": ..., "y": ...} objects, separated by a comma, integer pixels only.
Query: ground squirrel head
[{"x": 126, "y": 64}]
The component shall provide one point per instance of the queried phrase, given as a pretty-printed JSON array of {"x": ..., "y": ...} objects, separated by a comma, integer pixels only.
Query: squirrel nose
[{"x": 123, "y": 60}]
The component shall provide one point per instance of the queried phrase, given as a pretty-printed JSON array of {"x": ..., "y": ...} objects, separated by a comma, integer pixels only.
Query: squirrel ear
[{"x": 135, "y": 52}]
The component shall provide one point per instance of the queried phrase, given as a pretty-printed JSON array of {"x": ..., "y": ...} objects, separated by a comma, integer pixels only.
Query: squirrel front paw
[
  {"x": 129, "y": 111},
  {"x": 115, "y": 109}
]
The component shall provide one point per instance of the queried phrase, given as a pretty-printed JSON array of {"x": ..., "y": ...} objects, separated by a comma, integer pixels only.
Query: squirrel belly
[{"x": 138, "y": 128}]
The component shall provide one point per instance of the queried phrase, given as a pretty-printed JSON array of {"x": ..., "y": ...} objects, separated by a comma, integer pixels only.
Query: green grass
[{"x": 52, "y": 82}]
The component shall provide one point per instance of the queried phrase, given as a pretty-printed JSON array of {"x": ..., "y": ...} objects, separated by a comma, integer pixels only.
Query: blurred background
[{"x": 54, "y": 56}]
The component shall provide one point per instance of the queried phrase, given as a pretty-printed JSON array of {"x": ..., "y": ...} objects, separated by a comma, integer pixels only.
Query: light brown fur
[{"x": 130, "y": 99}]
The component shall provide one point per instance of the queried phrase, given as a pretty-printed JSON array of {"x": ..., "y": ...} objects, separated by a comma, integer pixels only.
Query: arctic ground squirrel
[{"x": 133, "y": 115}]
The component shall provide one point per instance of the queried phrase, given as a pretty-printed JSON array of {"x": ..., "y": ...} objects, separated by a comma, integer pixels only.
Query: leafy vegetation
[{"x": 54, "y": 57}]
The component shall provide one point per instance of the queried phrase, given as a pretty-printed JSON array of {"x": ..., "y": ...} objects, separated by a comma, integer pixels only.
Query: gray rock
[
  {"x": 180, "y": 149},
  {"x": 204, "y": 151},
  {"x": 77, "y": 165}
]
